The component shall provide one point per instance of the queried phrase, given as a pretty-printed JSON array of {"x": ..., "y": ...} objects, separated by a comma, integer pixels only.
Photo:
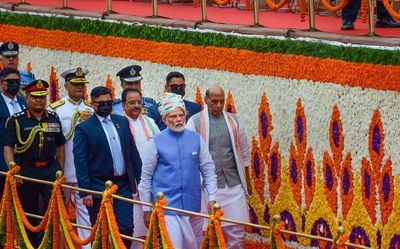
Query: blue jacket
[
  {"x": 191, "y": 107},
  {"x": 93, "y": 159},
  {"x": 4, "y": 115}
]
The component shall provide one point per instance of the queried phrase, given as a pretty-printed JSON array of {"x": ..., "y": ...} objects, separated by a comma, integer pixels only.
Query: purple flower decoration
[
  {"x": 367, "y": 184},
  {"x": 386, "y": 187},
  {"x": 264, "y": 124},
  {"x": 293, "y": 171},
  {"x": 300, "y": 128},
  {"x": 319, "y": 225},
  {"x": 335, "y": 133},
  {"x": 379, "y": 239},
  {"x": 359, "y": 236},
  {"x": 376, "y": 139},
  {"x": 266, "y": 214},
  {"x": 274, "y": 167},
  {"x": 346, "y": 181},
  {"x": 257, "y": 165},
  {"x": 254, "y": 219},
  {"x": 328, "y": 177},
  {"x": 289, "y": 224},
  {"x": 395, "y": 242},
  {"x": 309, "y": 173},
  {"x": 303, "y": 222}
]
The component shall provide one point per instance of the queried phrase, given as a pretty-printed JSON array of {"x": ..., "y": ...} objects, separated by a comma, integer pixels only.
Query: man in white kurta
[
  {"x": 229, "y": 148},
  {"x": 173, "y": 163},
  {"x": 143, "y": 129},
  {"x": 71, "y": 110}
]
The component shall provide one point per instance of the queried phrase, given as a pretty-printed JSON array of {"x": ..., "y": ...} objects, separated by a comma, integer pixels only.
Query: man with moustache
[
  {"x": 9, "y": 57},
  {"x": 143, "y": 129},
  {"x": 175, "y": 83},
  {"x": 173, "y": 163},
  {"x": 229, "y": 148},
  {"x": 40, "y": 158},
  {"x": 72, "y": 110},
  {"x": 10, "y": 103},
  {"x": 104, "y": 150}
]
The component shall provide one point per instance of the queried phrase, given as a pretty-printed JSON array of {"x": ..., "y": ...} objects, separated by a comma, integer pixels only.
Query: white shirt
[
  {"x": 140, "y": 138},
  {"x": 149, "y": 164},
  {"x": 65, "y": 113},
  {"x": 9, "y": 106},
  {"x": 101, "y": 119}
]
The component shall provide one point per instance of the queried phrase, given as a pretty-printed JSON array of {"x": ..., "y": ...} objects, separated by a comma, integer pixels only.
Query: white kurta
[
  {"x": 65, "y": 113},
  {"x": 141, "y": 141}
]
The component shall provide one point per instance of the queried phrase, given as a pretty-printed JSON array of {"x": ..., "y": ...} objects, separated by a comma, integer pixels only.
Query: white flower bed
[{"x": 356, "y": 105}]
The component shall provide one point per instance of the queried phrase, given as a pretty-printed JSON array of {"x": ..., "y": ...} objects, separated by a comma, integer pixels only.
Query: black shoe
[
  {"x": 347, "y": 25},
  {"x": 387, "y": 22}
]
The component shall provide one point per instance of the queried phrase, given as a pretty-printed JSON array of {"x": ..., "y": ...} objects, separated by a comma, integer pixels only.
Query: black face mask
[
  {"x": 105, "y": 108},
  {"x": 13, "y": 86},
  {"x": 180, "y": 90}
]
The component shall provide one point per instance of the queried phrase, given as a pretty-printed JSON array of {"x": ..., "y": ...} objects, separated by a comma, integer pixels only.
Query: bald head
[{"x": 215, "y": 100}]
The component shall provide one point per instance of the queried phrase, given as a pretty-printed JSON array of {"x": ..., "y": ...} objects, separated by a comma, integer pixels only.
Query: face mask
[
  {"x": 105, "y": 108},
  {"x": 13, "y": 86},
  {"x": 180, "y": 90}
]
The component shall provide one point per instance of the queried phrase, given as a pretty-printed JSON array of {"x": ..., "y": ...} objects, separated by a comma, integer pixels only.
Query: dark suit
[
  {"x": 191, "y": 107},
  {"x": 94, "y": 166},
  {"x": 4, "y": 115},
  {"x": 350, "y": 11}
]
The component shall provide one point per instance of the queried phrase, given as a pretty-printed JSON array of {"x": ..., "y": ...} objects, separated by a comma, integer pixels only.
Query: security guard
[
  {"x": 9, "y": 57},
  {"x": 71, "y": 110},
  {"x": 33, "y": 139},
  {"x": 131, "y": 78}
]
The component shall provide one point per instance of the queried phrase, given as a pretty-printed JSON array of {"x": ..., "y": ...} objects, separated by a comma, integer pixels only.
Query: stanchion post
[
  {"x": 65, "y": 4},
  {"x": 203, "y": 10},
  {"x": 311, "y": 15},
  {"x": 154, "y": 5},
  {"x": 109, "y": 6},
  {"x": 255, "y": 13},
  {"x": 371, "y": 18}
]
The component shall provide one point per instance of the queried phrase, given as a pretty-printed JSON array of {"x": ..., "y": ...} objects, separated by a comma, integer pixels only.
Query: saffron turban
[{"x": 169, "y": 102}]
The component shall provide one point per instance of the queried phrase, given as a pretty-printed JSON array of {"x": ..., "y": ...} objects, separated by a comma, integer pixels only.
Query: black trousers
[
  {"x": 122, "y": 210},
  {"x": 350, "y": 11},
  {"x": 35, "y": 197}
]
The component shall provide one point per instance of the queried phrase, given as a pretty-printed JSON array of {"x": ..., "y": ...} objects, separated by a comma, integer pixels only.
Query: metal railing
[
  {"x": 255, "y": 9},
  {"x": 276, "y": 218}
]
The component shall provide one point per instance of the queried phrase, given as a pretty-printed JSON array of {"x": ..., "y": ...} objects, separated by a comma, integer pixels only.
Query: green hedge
[{"x": 158, "y": 34}]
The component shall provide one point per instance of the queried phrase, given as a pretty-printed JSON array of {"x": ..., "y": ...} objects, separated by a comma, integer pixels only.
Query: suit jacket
[
  {"x": 93, "y": 160},
  {"x": 4, "y": 115},
  {"x": 191, "y": 107}
]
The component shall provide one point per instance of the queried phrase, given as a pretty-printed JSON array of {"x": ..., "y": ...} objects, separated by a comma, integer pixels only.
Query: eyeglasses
[{"x": 178, "y": 86}]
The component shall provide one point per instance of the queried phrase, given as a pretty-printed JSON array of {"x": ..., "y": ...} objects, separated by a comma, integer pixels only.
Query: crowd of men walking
[{"x": 195, "y": 157}]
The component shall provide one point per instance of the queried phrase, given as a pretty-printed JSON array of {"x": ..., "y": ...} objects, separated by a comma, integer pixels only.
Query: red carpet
[{"x": 222, "y": 15}]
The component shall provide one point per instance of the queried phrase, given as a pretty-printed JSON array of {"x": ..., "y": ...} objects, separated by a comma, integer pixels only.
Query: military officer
[
  {"x": 33, "y": 139},
  {"x": 9, "y": 57},
  {"x": 71, "y": 110},
  {"x": 131, "y": 78}
]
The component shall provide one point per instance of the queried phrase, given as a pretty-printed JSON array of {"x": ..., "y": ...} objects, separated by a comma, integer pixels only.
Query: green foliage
[{"x": 160, "y": 34}]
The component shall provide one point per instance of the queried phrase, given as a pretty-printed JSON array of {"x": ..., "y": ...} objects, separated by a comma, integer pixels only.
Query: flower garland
[
  {"x": 334, "y": 9},
  {"x": 303, "y": 10},
  {"x": 390, "y": 9},
  {"x": 214, "y": 238},
  {"x": 158, "y": 229},
  {"x": 198, "y": 98},
  {"x": 109, "y": 84},
  {"x": 230, "y": 103},
  {"x": 222, "y": 2},
  {"x": 196, "y": 3},
  {"x": 339, "y": 241},
  {"x": 54, "y": 88},
  {"x": 276, "y": 240},
  {"x": 364, "y": 10},
  {"x": 257, "y": 169},
  {"x": 379, "y": 77},
  {"x": 275, "y": 6}
]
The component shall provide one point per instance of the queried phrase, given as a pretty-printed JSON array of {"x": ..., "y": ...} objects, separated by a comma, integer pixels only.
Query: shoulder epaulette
[
  {"x": 51, "y": 112},
  {"x": 56, "y": 104},
  {"x": 117, "y": 101},
  {"x": 147, "y": 99},
  {"x": 18, "y": 114}
]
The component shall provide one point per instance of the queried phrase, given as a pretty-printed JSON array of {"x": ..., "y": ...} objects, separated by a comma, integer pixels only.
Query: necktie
[
  {"x": 15, "y": 106},
  {"x": 116, "y": 154}
]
